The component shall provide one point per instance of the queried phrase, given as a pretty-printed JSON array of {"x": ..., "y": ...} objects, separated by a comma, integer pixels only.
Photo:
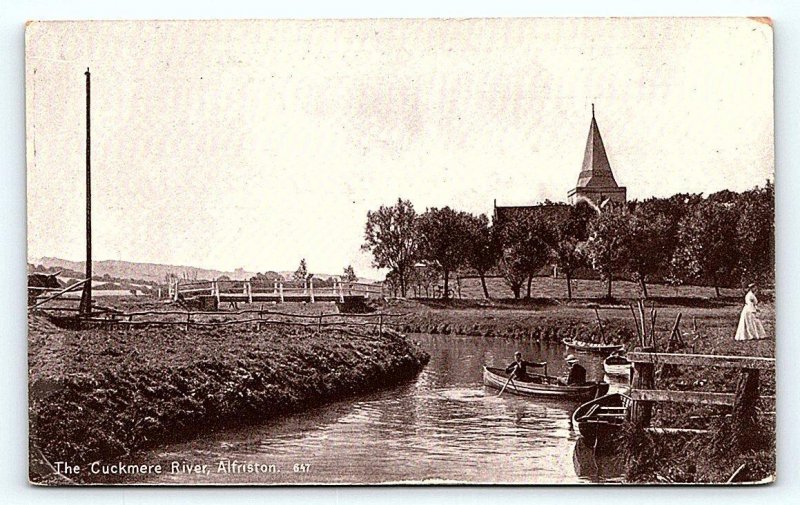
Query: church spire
[
  {"x": 596, "y": 170},
  {"x": 596, "y": 181}
]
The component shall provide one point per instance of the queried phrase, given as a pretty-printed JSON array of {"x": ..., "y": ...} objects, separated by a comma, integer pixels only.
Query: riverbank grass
[{"x": 102, "y": 394}]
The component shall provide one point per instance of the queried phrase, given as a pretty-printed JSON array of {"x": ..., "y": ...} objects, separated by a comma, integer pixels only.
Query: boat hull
[
  {"x": 545, "y": 386},
  {"x": 617, "y": 370},
  {"x": 590, "y": 347},
  {"x": 598, "y": 427}
]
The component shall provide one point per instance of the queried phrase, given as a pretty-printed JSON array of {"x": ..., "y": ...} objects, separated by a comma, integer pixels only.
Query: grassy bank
[
  {"x": 708, "y": 325},
  {"x": 101, "y": 394}
]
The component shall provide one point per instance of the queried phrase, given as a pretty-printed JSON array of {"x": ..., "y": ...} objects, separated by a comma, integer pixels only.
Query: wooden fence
[
  {"x": 257, "y": 318},
  {"x": 743, "y": 400}
]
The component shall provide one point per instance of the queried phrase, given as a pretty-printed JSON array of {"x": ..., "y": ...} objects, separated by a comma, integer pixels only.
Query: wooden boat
[
  {"x": 542, "y": 385},
  {"x": 591, "y": 346},
  {"x": 616, "y": 365},
  {"x": 599, "y": 420}
]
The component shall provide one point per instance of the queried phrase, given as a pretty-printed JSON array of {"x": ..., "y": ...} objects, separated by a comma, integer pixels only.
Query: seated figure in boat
[
  {"x": 577, "y": 374},
  {"x": 517, "y": 368}
]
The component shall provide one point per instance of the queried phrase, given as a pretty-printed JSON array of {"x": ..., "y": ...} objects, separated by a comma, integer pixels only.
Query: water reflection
[
  {"x": 596, "y": 467},
  {"x": 442, "y": 426}
]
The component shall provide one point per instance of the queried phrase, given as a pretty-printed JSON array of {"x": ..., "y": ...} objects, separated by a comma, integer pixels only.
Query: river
[{"x": 444, "y": 426}]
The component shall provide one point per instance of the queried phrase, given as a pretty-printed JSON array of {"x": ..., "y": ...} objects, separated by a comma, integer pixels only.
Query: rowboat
[
  {"x": 599, "y": 420},
  {"x": 591, "y": 346},
  {"x": 541, "y": 385},
  {"x": 617, "y": 365}
]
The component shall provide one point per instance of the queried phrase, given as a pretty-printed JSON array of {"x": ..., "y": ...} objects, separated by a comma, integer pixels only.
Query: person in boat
[
  {"x": 517, "y": 367},
  {"x": 577, "y": 374},
  {"x": 750, "y": 327}
]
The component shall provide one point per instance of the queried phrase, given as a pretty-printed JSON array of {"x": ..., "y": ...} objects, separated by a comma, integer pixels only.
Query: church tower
[{"x": 596, "y": 182}]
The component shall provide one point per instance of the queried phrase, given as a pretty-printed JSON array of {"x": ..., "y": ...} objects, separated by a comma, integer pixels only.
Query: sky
[{"x": 256, "y": 143}]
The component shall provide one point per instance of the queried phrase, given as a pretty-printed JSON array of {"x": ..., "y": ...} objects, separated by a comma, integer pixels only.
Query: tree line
[{"x": 722, "y": 240}]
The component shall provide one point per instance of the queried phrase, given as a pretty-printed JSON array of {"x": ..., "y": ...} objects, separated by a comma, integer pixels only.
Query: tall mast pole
[{"x": 86, "y": 298}]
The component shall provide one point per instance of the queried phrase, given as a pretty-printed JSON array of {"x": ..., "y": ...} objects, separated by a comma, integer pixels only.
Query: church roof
[
  {"x": 596, "y": 171},
  {"x": 545, "y": 211}
]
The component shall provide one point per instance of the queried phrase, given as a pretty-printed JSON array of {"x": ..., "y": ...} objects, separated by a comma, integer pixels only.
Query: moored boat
[
  {"x": 590, "y": 346},
  {"x": 616, "y": 365},
  {"x": 541, "y": 385},
  {"x": 601, "y": 419}
]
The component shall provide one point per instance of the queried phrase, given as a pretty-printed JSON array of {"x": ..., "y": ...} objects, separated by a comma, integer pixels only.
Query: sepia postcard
[{"x": 401, "y": 251}]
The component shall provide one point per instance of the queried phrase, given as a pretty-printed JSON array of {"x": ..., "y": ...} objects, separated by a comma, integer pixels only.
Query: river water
[{"x": 442, "y": 426}]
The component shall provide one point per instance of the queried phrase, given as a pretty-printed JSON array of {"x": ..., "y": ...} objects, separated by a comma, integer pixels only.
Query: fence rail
[{"x": 753, "y": 362}]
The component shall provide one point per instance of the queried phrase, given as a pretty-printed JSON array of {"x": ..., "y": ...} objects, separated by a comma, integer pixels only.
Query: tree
[
  {"x": 672, "y": 209},
  {"x": 526, "y": 250},
  {"x": 442, "y": 235},
  {"x": 756, "y": 234},
  {"x": 301, "y": 273},
  {"x": 707, "y": 248},
  {"x": 569, "y": 233},
  {"x": 424, "y": 277},
  {"x": 650, "y": 245},
  {"x": 349, "y": 274},
  {"x": 607, "y": 245},
  {"x": 483, "y": 250},
  {"x": 390, "y": 234}
]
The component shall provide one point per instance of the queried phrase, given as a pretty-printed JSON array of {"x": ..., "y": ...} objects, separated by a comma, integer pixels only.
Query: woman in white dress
[{"x": 750, "y": 327}]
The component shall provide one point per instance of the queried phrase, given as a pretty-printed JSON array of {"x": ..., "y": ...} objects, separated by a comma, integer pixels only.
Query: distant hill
[
  {"x": 154, "y": 271},
  {"x": 145, "y": 271}
]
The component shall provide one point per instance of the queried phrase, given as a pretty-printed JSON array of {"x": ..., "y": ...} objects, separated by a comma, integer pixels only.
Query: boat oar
[{"x": 511, "y": 376}]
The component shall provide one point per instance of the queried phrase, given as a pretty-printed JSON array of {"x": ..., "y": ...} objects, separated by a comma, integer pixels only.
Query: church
[{"x": 596, "y": 184}]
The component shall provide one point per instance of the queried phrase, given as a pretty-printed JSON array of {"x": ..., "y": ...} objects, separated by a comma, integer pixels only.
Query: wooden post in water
[
  {"x": 600, "y": 325},
  {"x": 643, "y": 378}
]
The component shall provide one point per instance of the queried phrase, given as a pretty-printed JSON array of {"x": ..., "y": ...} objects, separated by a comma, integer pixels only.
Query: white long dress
[{"x": 750, "y": 327}]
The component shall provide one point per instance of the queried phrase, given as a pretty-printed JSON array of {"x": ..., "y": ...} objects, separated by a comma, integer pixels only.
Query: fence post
[
  {"x": 311, "y": 288},
  {"x": 743, "y": 416},
  {"x": 188, "y": 320},
  {"x": 341, "y": 292},
  {"x": 249, "y": 292},
  {"x": 643, "y": 378},
  {"x": 280, "y": 288},
  {"x": 319, "y": 324},
  {"x": 216, "y": 289},
  {"x": 380, "y": 324},
  {"x": 274, "y": 287}
]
